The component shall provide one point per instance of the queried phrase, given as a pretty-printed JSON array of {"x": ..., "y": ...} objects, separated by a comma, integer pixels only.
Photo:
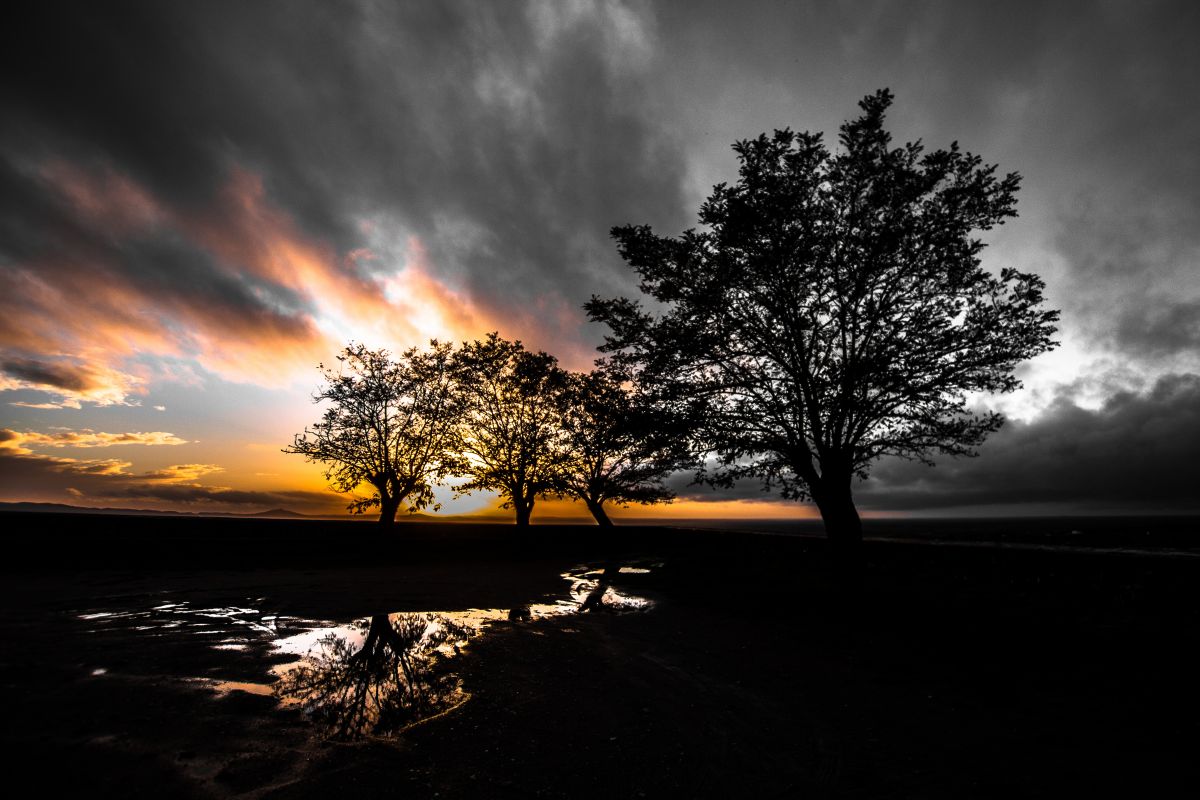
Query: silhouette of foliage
[
  {"x": 620, "y": 445},
  {"x": 509, "y": 440},
  {"x": 397, "y": 677},
  {"x": 832, "y": 310},
  {"x": 388, "y": 426}
]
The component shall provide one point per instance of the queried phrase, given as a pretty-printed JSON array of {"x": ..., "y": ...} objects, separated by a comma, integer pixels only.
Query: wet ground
[{"x": 715, "y": 667}]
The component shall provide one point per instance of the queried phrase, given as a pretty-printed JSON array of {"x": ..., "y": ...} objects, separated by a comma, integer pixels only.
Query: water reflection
[
  {"x": 373, "y": 675},
  {"x": 398, "y": 675},
  {"x": 594, "y": 590}
]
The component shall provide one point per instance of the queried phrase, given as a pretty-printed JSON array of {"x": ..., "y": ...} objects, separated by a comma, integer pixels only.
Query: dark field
[{"x": 1042, "y": 668}]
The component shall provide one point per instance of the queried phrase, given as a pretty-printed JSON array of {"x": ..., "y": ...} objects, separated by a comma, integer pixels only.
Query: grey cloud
[
  {"x": 62, "y": 375},
  {"x": 1161, "y": 326},
  {"x": 1133, "y": 275},
  {"x": 195, "y": 493}
]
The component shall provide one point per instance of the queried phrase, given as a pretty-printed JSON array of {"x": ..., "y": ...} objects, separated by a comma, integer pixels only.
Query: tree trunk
[
  {"x": 597, "y": 509},
  {"x": 843, "y": 527},
  {"x": 524, "y": 509},
  {"x": 372, "y": 645},
  {"x": 387, "y": 510}
]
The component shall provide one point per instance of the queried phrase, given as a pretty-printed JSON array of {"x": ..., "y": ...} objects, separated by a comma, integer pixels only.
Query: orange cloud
[
  {"x": 278, "y": 302},
  {"x": 20, "y": 442},
  {"x": 107, "y": 467},
  {"x": 181, "y": 472}
]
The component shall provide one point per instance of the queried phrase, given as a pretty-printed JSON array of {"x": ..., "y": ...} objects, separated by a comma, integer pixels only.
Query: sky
[{"x": 201, "y": 202}]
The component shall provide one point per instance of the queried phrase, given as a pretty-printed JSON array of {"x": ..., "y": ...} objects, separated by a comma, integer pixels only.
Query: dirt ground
[{"x": 942, "y": 672}]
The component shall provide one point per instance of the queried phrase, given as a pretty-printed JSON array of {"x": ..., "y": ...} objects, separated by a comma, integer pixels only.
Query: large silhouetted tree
[
  {"x": 833, "y": 310},
  {"x": 509, "y": 439},
  {"x": 620, "y": 445},
  {"x": 388, "y": 426}
]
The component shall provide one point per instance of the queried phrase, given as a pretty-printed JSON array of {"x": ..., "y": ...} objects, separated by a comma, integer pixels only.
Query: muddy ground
[{"x": 944, "y": 672}]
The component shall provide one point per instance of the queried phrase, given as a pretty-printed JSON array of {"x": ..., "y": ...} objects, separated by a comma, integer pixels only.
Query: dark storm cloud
[
  {"x": 508, "y": 138},
  {"x": 1137, "y": 451}
]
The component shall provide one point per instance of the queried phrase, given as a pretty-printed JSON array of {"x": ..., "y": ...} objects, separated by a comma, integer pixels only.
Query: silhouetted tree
[
  {"x": 388, "y": 426},
  {"x": 509, "y": 439},
  {"x": 620, "y": 445},
  {"x": 833, "y": 310}
]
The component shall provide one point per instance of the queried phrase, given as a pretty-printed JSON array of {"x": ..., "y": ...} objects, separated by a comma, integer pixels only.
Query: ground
[{"x": 943, "y": 671}]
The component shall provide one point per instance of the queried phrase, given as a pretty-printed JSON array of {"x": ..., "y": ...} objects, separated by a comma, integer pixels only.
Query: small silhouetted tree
[
  {"x": 621, "y": 446},
  {"x": 833, "y": 310},
  {"x": 388, "y": 426},
  {"x": 509, "y": 439}
]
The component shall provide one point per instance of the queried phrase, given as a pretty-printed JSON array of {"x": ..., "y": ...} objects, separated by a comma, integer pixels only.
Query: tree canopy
[
  {"x": 833, "y": 309},
  {"x": 509, "y": 438},
  {"x": 388, "y": 425},
  {"x": 620, "y": 445}
]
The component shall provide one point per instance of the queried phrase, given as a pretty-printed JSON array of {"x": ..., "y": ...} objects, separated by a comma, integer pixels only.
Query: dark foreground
[{"x": 948, "y": 672}]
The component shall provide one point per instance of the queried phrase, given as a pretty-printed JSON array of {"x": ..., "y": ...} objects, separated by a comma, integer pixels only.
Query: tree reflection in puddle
[
  {"x": 384, "y": 674},
  {"x": 398, "y": 676}
]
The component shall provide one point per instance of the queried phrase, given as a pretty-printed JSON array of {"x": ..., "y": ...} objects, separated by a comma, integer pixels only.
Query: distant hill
[
  {"x": 63, "y": 508},
  {"x": 279, "y": 513}
]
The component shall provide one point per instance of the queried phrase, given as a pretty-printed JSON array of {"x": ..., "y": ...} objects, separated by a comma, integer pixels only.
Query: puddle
[
  {"x": 249, "y": 687},
  {"x": 374, "y": 675},
  {"x": 389, "y": 676}
]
